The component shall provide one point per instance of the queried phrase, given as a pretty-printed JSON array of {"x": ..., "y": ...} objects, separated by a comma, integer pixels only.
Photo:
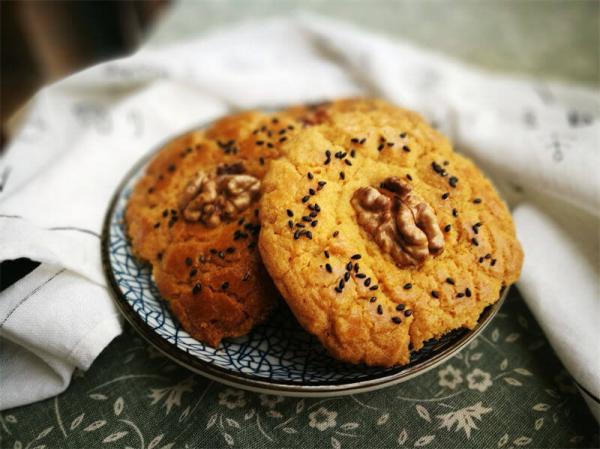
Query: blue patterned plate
[{"x": 278, "y": 357}]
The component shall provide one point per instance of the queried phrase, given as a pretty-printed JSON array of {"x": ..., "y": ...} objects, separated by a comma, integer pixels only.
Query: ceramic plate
[{"x": 277, "y": 357}]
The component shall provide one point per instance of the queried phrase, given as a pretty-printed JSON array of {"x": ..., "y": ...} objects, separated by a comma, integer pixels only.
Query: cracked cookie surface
[
  {"x": 363, "y": 304},
  {"x": 194, "y": 216}
]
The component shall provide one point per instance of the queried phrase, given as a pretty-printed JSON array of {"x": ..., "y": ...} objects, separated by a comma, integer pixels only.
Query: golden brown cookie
[
  {"x": 194, "y": 217},
  {"x": 381, "y": 237}
]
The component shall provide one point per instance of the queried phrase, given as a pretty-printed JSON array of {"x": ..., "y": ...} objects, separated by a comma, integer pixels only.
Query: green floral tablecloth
[{"x": 506, "y": 390}]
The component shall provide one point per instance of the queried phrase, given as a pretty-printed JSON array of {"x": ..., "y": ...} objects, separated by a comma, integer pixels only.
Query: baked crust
[{"x": 358, "y": 143}]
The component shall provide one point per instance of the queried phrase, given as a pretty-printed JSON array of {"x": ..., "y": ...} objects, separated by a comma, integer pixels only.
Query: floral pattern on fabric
[{"x": 505, "y": 390}]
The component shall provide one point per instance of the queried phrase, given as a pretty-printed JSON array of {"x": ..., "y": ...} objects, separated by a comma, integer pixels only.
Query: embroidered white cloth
[{"x": 538, "y": 140}]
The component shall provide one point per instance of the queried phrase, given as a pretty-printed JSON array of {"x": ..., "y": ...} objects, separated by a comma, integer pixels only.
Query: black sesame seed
[
  {"x": 311, "y": 191},
  {"x": 460, "y": 295},
  {"x": 322, "y": 183},
  {"x": 326, "y": 253},
  {"x": 336, "y": 233},
  {"x": 341, "y": 284},
  {"x": 408, "y": 177},
  {"x": 347, "y": 162},
  {"x": 380, "y": 147},
  {"x": 225, "y": 285},
  {"x": 230, "y": 250},
  {"x": 406, "y": 148},
  {"x": 481, "y": 260},
  {"x": 290, "y": 224},
  {"x": 380, "y": 309},
  {"x": 468, "y": 292},
  {"x": 337, "y": 289},
  {"x": 356, "y": 267},
  {"x": 290, "y": 213},
  {"x": 305, "y": 198},
  {"x": 407, "y": 313},
  {"x": 402, "y": 135},
  {"x": 283, "y": 139},
  {"x": 189, "y": 261},
  {"x": 363, "y": 140},
  {"x": 474, "y": 241},
  {"x": 328, "y": 268},
  {"x": 349, "y": 266},
  {"x": 270, "y": 145},
  {"x": 296, "y": 235},
  {"x": 354, "y": 140},
  {"x": 159, "y": 256},
  {"x": 328, "y": 153},
  {"x": 342, "y": 175},
  {"x": 367, "y": 282},
  {"x": 450, "y": 281},
  {"x": 172, "y": 221},
  {"x": 400, "y": 307},
  {"x": 193, "y": 272},
  {"x": 373, "y": 299},
  {"x": 151, "y": 190},
  {"x": 488, "y": 256},
  {"x": 172, "y": 167},
  {"x": 454, "y": 213},
  {"x": 374, "y": 287},
  {"x": 261, "y": 160},
  {"x": 355, "y": 257},
  {"x": 445, "y": 196},
  {"x": 475, "y": 229},
  {"x": 309, "y": 175},
  {"x": 260, "y": 142},
  {"x": 347, "y": 276},
  {"x": 447, "y": 228},
  {"x": 308, "y": 235},
  {"x": 282, "y": 131},
  {"x": 361, "y": 275},
  {"x": 396, "y": 320},
  {"x": 435, "y": 294},
  {"x": 453, "y": 180},
  {"x": 390, "y": 144},
  {"x": 477, "y": 200},
  {"x": 437, "y": 168},
  {"x": 197, "y": 288},
  {"x": 407, "y": 286},
  {"x": 353, "y": 153},
  {"x": 493, "y": 262},
  {"x": 307, "y": 218},
  {"x": 165, "y": 213},
  {"x": 157, "y": 224},
  {"x": 317, "y": 207},
  {"x": 314, "y": 223}
]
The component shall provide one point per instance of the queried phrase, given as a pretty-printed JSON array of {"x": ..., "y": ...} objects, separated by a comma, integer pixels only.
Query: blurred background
[{"x": 43, "y": 41}]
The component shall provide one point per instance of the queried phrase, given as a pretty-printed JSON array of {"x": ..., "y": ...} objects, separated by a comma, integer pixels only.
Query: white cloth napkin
[{"x": 539, "y": 141}]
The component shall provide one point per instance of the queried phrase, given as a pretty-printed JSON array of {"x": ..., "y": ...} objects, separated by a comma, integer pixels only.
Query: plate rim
[{"x": 247, "y": 381}]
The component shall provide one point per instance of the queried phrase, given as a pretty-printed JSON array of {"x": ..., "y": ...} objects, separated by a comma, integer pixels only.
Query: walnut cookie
[
  {"x": 194, "y": 217},
  {"x": 379, "y": 236}
]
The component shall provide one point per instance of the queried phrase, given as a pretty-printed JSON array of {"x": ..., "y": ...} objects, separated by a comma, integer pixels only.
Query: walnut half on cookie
[
  {"x": 400, "y": 221},
  {"x": 212, "y": 199}
]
